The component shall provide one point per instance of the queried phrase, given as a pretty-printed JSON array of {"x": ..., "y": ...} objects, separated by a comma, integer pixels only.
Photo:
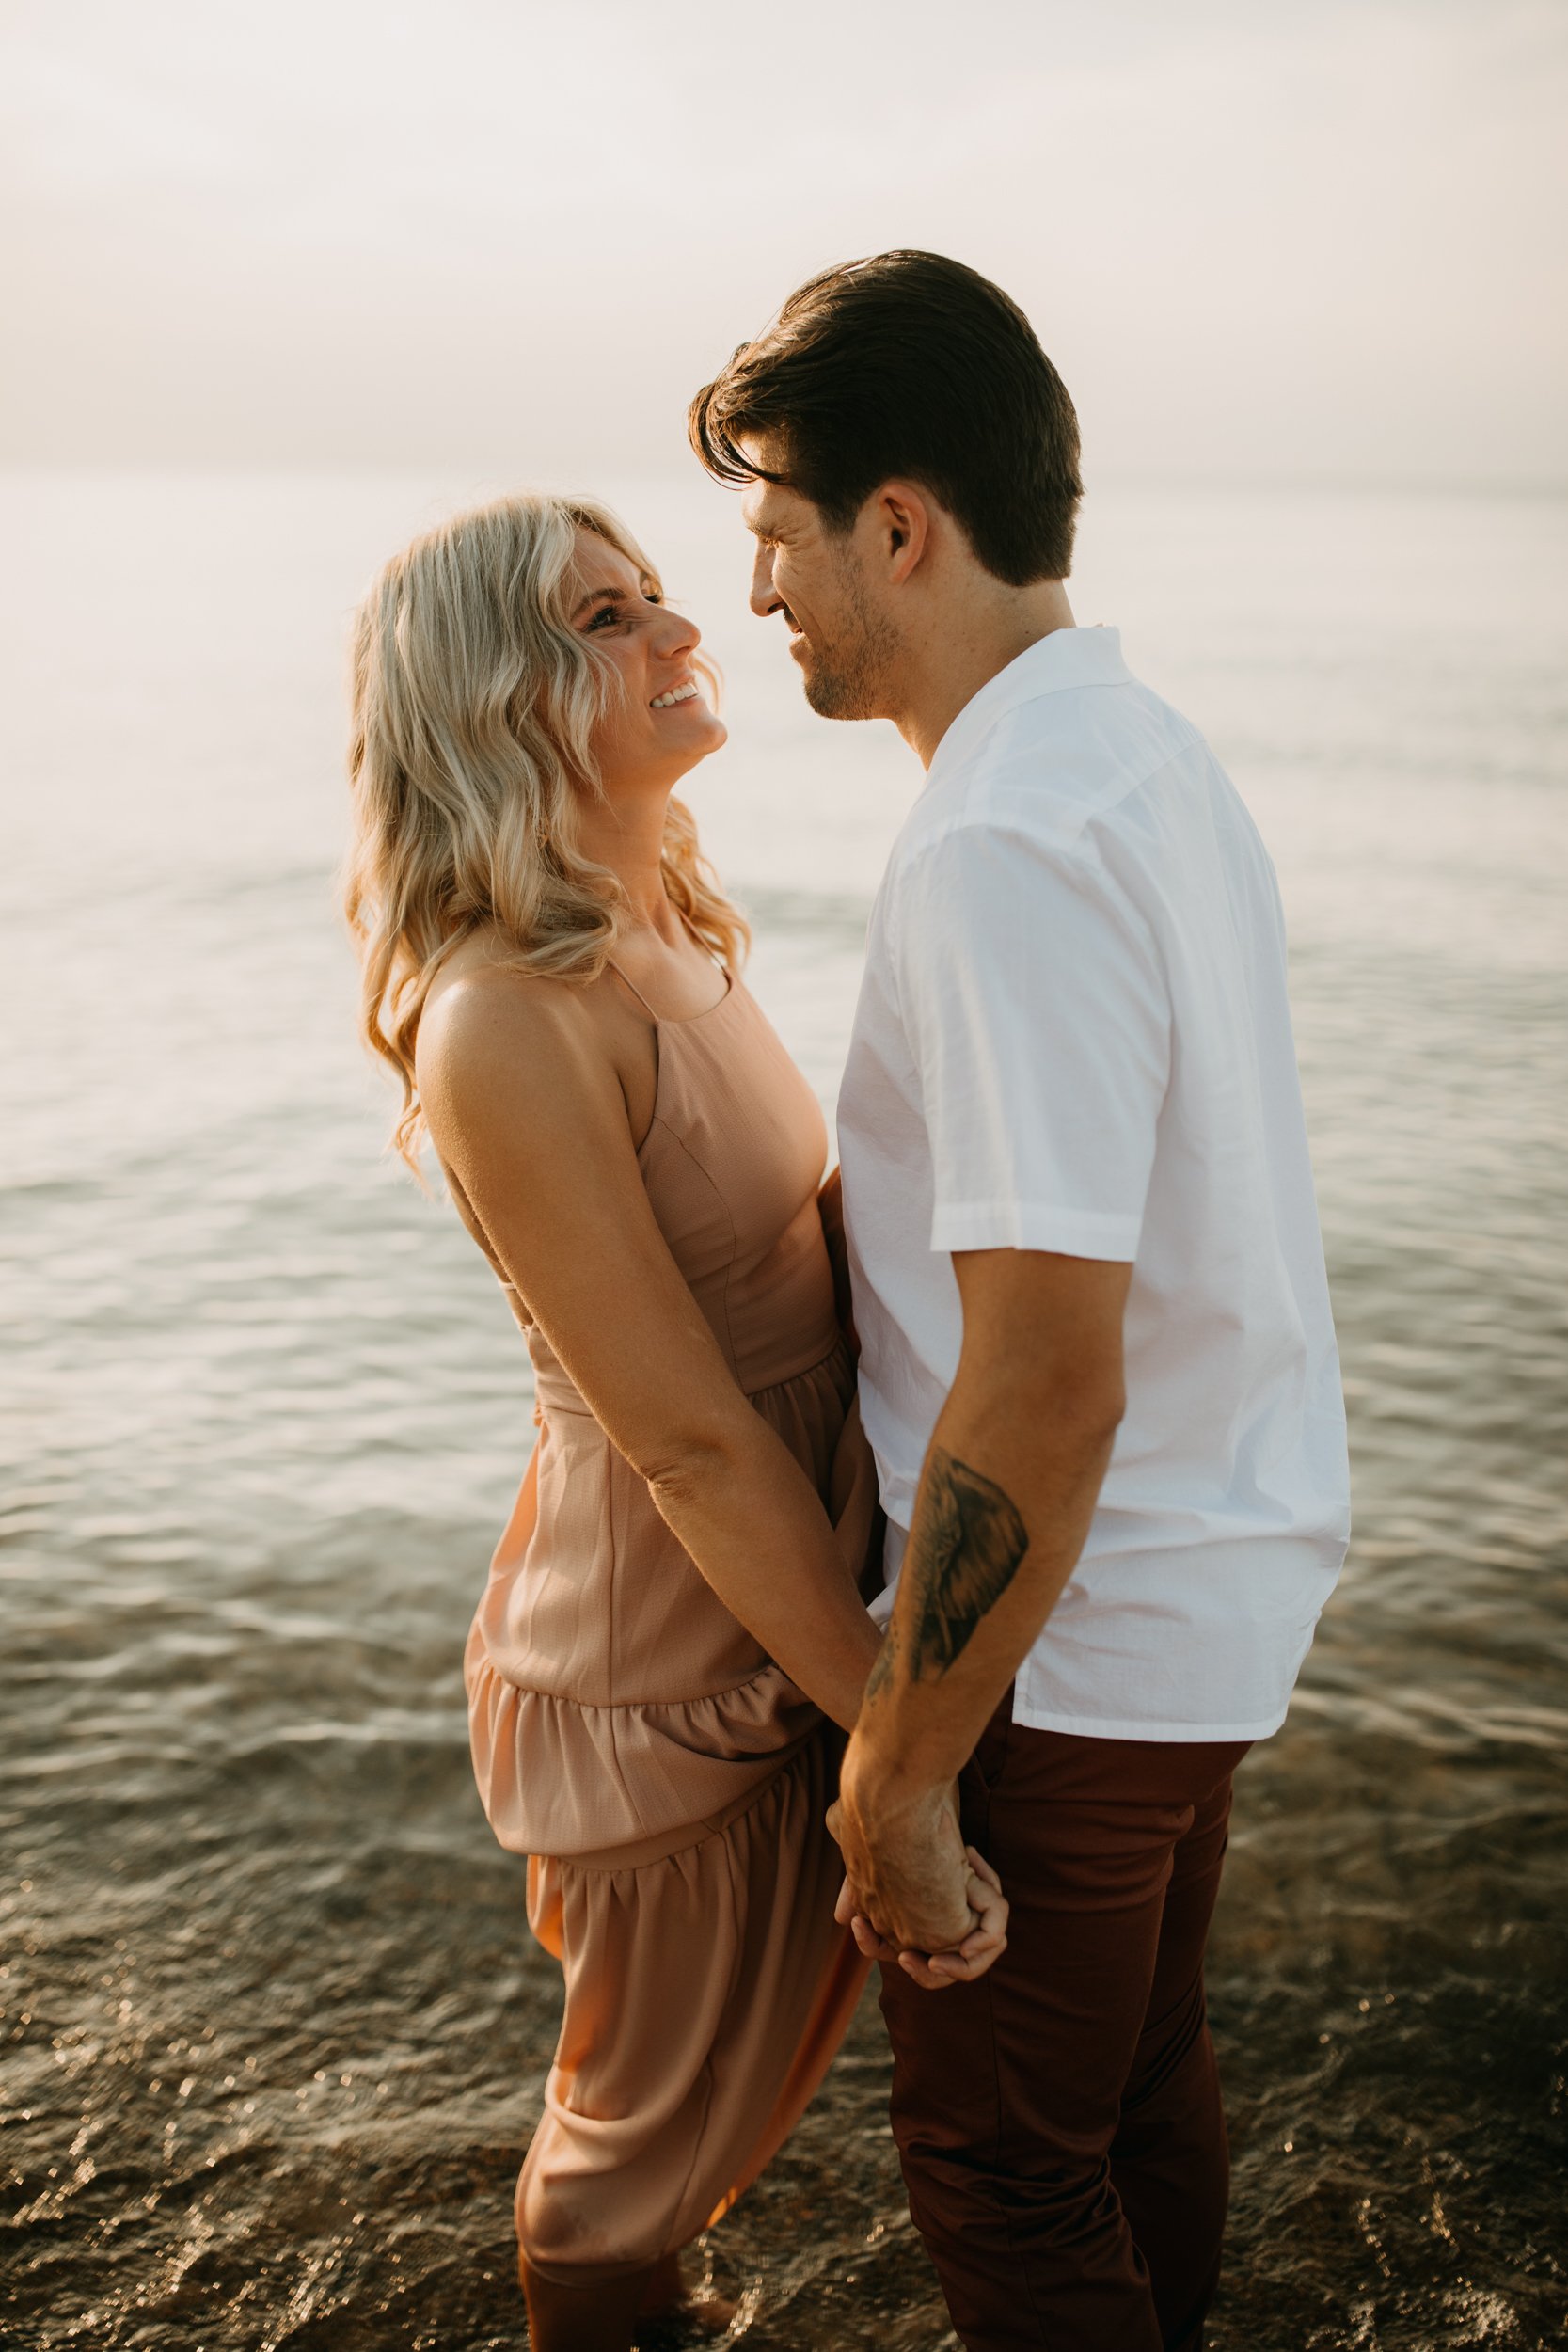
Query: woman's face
[{"x": 661, "y": 724}]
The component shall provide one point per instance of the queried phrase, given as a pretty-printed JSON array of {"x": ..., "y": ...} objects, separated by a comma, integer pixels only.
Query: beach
[{"x": 276, "y": 2032}]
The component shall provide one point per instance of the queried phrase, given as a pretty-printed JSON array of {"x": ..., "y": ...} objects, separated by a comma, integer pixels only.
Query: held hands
[{"x": 913, "y": 1890}]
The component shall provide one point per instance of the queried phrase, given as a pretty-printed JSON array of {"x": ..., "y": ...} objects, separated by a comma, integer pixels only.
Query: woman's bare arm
[
  {"x": 829, "y": 1208},
  {"x": 525, "y": 1108}
]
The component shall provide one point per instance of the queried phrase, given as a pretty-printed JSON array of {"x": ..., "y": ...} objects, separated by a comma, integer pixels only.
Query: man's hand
[
  {"x": 934, "y": 1971},
  {"x": 913, "y": 1891}
]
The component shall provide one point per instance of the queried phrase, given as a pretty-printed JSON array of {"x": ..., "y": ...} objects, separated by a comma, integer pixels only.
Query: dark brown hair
[{"x": 907, "y": 364}]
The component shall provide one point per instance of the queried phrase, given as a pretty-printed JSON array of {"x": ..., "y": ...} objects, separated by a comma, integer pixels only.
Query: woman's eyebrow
[
  {"x": 647, "y": 588},
  {"x": 596, "y": 596}
]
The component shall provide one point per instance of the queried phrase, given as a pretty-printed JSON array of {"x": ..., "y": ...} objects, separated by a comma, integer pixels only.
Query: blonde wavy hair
[{"x": 474, "y": 708}]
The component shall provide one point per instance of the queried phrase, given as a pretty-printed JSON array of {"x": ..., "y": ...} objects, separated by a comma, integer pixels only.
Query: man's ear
[{"x": 903, "y": 528}]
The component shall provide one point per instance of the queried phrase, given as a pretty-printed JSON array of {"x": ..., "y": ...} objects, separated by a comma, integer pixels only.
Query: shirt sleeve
[{"x": 1037, "y": 1015}]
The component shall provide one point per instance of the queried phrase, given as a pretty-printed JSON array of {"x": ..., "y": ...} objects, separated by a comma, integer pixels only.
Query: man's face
[{"x": 820, "y": 582}]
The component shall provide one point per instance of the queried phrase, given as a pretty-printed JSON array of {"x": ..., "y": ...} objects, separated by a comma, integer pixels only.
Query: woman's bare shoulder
[
  {"x": 514, "y": 1055},
  {"x": 479, "y": 1005}
]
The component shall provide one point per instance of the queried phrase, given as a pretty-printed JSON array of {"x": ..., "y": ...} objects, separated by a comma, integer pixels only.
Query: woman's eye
[{"x": 608, "y": 614}]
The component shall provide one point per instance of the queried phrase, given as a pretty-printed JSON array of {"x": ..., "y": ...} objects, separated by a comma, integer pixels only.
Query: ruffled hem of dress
[{"x": 563, "y": 1779}]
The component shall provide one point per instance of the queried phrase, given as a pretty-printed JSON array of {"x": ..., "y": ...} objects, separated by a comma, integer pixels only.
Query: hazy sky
[{"x": 1257, "y": 236}]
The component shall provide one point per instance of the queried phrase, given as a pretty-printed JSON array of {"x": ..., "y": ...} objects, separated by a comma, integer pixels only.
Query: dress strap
[{"x": 635, "y": 989}]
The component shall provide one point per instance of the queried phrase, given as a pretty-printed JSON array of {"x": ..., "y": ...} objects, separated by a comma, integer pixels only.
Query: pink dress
[{"x": 667, "y": 1779}]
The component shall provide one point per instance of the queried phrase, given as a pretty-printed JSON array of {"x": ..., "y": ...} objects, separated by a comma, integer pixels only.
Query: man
[{"x": 1098, "y": 1366}]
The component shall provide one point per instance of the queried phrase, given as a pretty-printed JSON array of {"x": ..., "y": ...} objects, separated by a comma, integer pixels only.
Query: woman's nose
[{"x": 679, "y": 635}]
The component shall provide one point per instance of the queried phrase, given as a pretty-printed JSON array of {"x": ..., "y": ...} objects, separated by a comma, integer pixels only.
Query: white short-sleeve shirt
[{"x": 1074, "y": 1035}]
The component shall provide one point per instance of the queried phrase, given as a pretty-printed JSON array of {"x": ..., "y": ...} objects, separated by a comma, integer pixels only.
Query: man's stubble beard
[{"x": 849, "y": 682}]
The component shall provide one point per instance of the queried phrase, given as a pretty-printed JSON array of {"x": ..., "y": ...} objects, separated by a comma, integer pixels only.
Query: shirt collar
[{"x": 1067, "y": 657}]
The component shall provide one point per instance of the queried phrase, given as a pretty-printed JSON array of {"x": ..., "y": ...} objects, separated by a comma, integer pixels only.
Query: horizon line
[{"x": 1545, "y": 487}]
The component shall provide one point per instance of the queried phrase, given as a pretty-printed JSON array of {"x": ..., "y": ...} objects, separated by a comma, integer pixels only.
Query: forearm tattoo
[
  {"x": 964, "y": 1551},
  {"x": 882, "y": 1666}
]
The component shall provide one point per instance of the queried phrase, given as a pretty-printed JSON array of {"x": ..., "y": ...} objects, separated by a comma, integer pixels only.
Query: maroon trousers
[{"x": 1059, "y": 2122}]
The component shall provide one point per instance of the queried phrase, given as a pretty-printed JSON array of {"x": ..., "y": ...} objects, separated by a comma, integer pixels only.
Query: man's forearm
[
  {"x": 1000, "y": 1520},
  {"x": 1006, "y": 1494}
]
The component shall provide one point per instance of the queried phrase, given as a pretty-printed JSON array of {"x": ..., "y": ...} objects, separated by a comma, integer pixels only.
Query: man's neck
[{"x": 963, "y": 649}]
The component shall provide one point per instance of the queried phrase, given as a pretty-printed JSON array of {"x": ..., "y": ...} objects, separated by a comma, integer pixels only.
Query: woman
[{"x": 672, "y": 1636}]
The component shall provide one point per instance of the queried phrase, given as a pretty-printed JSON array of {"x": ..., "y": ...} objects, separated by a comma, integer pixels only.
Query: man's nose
[{"x": 765, "y": 596}]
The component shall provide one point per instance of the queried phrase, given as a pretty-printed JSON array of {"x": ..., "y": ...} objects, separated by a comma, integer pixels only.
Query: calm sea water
[{"x": 275, "y": 2031}]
